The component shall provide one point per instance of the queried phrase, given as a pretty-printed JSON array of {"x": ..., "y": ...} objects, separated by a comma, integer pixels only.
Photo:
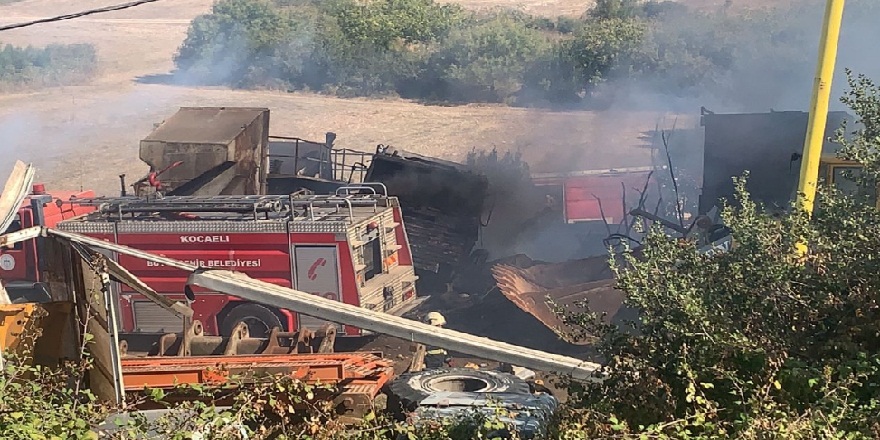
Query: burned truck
[
  {"x": 767, "y": 145},
  {"x": 442, "y": 201},
  {"x": 442, "y": 204},
  {"x": 204, "y": 151}
]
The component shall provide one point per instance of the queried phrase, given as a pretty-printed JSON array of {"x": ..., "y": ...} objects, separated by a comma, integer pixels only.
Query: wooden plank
[
  {"x": 105, "y": 377},
  {"x": 14, "y": 192}
]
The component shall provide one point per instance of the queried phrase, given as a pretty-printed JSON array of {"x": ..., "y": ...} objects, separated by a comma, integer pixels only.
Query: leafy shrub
[
  {"x": 487, "y": 61},
  {"x": 237, "y": 41},
  {"x": 600, "y": 48},
  {"x": 615, "y": 9},
  {"x": 424, "y": 50},
  {"x": 414, "y": 48},
  {"x": 43, "y": 403},
  {"x": 383, "y": 22},
  {"x": 56, "y": 64}
]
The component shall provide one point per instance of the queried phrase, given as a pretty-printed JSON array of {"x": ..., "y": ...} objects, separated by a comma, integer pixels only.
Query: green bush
[
  {"x": 487, "y": 60},
  {"x": 600, "y": 48},
  {"x": 424, "y": 50},
  {"x": 238, "y": 41},
  {"x": 48, "y": 403},
  {"x": 56, "y": 64},
  {"x": 384, "y": 22},
  {"x": 413, "y": 48}
]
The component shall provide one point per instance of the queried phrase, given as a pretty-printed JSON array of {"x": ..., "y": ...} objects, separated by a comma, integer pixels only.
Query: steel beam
[
  {"x": 242, "y": 286},
  {"x": 123, "y": 275}
]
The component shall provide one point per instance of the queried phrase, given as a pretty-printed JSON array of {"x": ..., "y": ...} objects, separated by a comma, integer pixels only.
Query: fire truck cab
[
  {"x": 350, "y": 247},
  {"x": 19, "y": 264}
]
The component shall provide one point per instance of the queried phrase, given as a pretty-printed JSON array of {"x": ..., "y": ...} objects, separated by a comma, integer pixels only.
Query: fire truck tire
[
  {"x": 408, "y": 390},
  {"x": 260, "y": 320}
]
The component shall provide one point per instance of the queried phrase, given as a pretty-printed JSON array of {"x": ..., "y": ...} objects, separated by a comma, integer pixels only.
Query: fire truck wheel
[
  {"x": 409, "y": 390},
  {"x": 259, "y": 319}
]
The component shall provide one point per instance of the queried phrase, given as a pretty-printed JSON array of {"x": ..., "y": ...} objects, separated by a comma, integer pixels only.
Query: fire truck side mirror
[{"x": 189, "y": 294}]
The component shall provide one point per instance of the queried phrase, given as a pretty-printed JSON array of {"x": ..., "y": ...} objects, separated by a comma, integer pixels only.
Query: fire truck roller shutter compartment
[{"x": 317, "y": 272}]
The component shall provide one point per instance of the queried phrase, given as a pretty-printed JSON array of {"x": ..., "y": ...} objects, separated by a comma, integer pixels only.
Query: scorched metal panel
[{"x": 583, "y": 195}]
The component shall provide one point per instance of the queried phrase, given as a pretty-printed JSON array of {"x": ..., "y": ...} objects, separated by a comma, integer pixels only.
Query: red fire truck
[
  {"x": 19, "y": 264},
  {"x": 350, "y": 247}
]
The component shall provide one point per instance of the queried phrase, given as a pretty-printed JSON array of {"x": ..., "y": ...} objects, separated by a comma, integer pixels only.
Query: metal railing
[
  {"x": 296, "y": 157},
  {"x": 343, "y": 199}
]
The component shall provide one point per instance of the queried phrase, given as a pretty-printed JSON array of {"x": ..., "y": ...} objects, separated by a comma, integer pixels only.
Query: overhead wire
[{"x": 75, "y": 15}]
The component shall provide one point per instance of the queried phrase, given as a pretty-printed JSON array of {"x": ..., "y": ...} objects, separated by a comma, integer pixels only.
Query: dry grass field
[{"x": 87, "y": 135}]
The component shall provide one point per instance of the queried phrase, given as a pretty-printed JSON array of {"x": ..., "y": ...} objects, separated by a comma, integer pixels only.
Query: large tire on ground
[
  {"x": 259, "y": 319},
  {"x": 409, "y": 390}
]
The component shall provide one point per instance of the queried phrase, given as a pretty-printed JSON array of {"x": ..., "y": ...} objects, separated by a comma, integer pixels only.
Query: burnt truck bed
[
  {"x": 442, "y": 203},
  {"x": 768, "y": 145}
]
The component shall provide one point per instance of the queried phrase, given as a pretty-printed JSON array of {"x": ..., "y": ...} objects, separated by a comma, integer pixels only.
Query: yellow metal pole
[{"x": 819, "y": 104}]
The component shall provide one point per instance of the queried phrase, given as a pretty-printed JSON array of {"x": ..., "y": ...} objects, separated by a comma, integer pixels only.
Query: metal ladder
[{"x": 262, "y": 204}]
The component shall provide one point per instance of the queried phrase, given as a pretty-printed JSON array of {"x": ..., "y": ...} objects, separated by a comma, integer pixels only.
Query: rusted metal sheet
[
  {"x": 540, "y": 290},
  {"x": 334, "y": 368},
  {"x": 97, "y": 311},
  {"x": 357, "y": 377}
]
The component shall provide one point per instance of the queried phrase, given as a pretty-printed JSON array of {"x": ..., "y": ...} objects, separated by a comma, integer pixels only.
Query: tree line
[
  {"x": 425, "y": 50},
  {"x": 53, "y": 65}
]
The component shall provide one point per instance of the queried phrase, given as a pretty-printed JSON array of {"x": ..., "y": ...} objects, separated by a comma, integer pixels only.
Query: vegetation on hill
[
  {"x": 53, "y": 65},
  {"x": 441, "y": 52}
]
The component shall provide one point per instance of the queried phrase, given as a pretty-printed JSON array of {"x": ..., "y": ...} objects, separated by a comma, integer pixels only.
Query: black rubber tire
[
  {"x": 408, "y": 390},
  {"x": 262, "y": 320}
]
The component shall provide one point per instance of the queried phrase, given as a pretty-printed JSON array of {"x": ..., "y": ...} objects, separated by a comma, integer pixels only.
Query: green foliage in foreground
[
  {"x": 39, "y": 403},
  {"x": 56, "y": 64},
  {"x": 761, "y": 342}
]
